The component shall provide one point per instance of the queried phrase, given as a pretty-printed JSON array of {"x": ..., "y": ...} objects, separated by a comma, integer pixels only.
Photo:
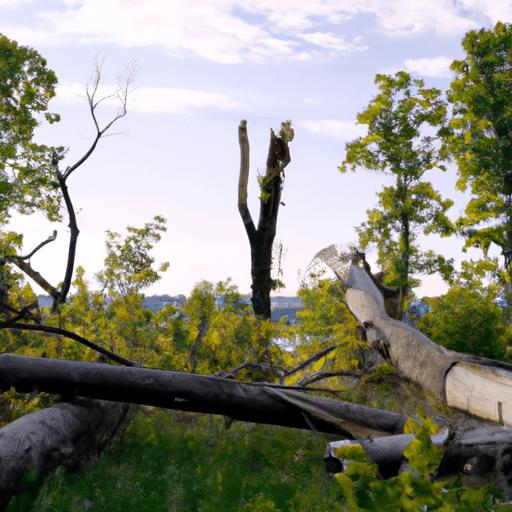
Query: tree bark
[
  {"x": 472, "y": 384},
  {"x": 270, "y": 404},
  {"x": 261, "y": 239},
  {"x": 482, "y": 456},
  {"x": 67, "y": 434}
]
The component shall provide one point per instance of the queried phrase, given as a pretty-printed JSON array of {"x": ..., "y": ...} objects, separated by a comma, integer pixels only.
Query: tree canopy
[
  {"x": 26, "y": 87},
  {"x": 467, "y": 320},
  {"x": 128, "y": 265},
  {"x": 480, "y": 137},
  {"x": 395, "y": 146}
]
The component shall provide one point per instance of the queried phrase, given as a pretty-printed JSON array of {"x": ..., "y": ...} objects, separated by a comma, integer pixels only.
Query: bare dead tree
[
  {"x": 121, "y": 92},
  {"x": 261, "y": 238}
]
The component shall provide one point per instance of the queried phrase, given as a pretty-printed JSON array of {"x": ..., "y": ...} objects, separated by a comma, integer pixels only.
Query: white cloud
[
  {"x": 330, "y": 41},
  {"x": 437, "y": 67},
  {"x": 153, "y": 99},
  {"x": 312, "y": 101},
  {"x": 218, "y": 31},
  {"x": 406, "y": 18},
  {"x": 227, "y": 31},
  {"x": 13, "y": 3},
  {"x": 333, "y": 128},
  {"x": 180, "y": 101}
]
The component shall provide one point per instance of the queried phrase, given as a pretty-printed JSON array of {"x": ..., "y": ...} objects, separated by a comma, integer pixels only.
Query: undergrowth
[{"x": 170, "y": 461}]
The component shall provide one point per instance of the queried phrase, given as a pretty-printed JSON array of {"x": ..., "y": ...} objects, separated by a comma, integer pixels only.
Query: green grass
[{"x": 170, "y": 461}]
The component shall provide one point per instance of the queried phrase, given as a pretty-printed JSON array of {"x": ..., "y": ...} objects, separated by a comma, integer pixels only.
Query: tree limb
[
  {"x": 242, "y": 401},
  {"x": 72, "y": 244},
  {"x": 316, "y": 376},
  {"x": 19, "y": 315},
  {"x": 67, "y": 434},
  {"x": 313, "y": 359},
  {"x": 243, "y": 180},
  {"x": 36, "y": 276},
  {"x": 84, "y": 341},
  {"x": 51, "y": 238},
  {"x": 123, "y": 89}
]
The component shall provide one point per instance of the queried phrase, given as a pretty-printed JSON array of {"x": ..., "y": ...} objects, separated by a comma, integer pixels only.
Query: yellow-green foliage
[
  {"x": 408, "y": 492},
  {"x": 467, "y": 320},
  {"x": 326, "y": 321}
]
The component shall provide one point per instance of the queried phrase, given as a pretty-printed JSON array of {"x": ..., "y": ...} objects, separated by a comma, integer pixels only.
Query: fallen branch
[{"x": 67, "y": 334}]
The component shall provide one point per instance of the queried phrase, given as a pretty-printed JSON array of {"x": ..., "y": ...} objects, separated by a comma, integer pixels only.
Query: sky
[{"x": 203, "y": 66}]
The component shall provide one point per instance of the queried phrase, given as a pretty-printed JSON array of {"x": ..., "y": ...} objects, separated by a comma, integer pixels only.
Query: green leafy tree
[
  {"x": 26, "y": 184},
  {"x": 480, "y": 138},
  {"x": 223, "y": 333},
  {"x": 26, "y": 87},
  {"x": 113, "y": 317},
  {"x": 395, "y": 146},
  {"x": 128, "y": 265},
  {"x": 467, "y": 320}
]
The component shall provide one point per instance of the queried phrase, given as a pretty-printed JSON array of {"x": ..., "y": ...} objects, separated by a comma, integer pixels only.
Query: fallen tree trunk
[
  {"x": 482, "y": 456},
  {"x": 472, "y": 384},
  {"x": 274, "y": 405},
  {"x": 67, "y": 434},
  {"x": 386, "y": 452}
]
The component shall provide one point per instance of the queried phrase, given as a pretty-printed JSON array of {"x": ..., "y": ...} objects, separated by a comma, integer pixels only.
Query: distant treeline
[{"x": 281, "y": 306}]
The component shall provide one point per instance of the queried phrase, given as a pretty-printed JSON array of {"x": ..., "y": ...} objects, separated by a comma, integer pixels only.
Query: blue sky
[{"x": 204, "y": 66}]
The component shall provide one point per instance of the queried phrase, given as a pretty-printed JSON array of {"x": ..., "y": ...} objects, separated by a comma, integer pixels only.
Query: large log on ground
[
  {"x": 274, "y": 405},
  {"x": 67, "y": 434},
  {"x": 482, "y": 456},
  {"x": 475, "y": 385},
  {"x": 386, "y": 452},
  {"x": 410, "y": 352}
]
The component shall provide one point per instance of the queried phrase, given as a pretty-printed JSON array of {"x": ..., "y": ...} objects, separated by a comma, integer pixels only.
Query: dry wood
[{"x": 482, "y": 391}]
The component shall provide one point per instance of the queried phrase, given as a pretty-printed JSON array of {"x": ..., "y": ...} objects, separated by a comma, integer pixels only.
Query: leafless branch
[
  {"x": 123, "y": 89},
  {"x": 313, "y": 359},
  {"x": 51, "y": 238},
  {"x": 61, "y": 298},
  {"x": 316, "y": 376},
  {"x": 20, "y": 262},
  {"x": 21, "y": 314}
]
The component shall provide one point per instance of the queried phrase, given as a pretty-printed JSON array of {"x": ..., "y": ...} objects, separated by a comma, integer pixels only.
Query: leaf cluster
[
  {"x": 324, "y": 322},
  {"x": 26, "y": 87},
  {"x": 467, "y": 320},
  {"x": 395, "y": 146},
  {"x": 128, "y": 264},
  {"x": 412, "y": 489},
  {"x": 479, "y": 137}
]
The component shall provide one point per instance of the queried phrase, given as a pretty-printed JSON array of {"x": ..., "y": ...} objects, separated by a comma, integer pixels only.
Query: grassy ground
[{"x": 171, "y": 461}]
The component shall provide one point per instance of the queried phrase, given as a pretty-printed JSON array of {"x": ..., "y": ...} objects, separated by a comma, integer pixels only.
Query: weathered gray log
[
  {"x": 242, "y": 401},
  {"x": 386, "y": 452},
  {"x": 67, "y": 434},
  {"x": 410, "y": 352},
  {"x": 482, "y": 456},
  {"x": 474, "y": 385}
]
